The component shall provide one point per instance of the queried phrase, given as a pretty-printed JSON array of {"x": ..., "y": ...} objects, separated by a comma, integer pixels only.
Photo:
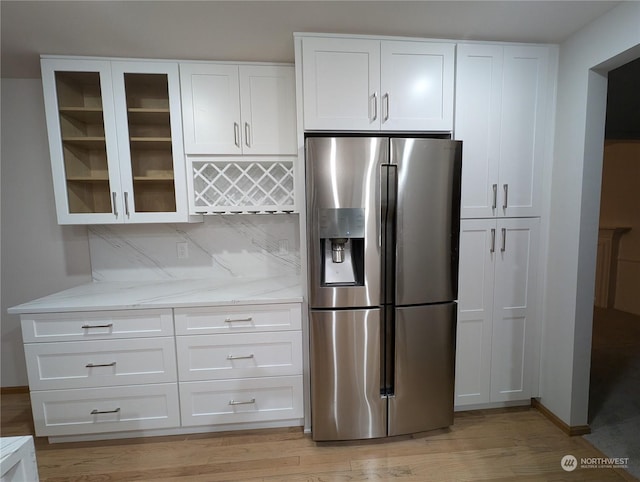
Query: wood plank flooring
[{"x": 498, "y": 445}]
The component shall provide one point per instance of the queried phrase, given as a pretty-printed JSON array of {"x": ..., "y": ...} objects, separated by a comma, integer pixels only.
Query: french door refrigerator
[{"x": 383, "y": 230}]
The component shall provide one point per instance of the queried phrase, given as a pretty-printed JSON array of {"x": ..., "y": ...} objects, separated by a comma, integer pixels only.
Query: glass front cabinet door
[{"x": 115, "y": 137}]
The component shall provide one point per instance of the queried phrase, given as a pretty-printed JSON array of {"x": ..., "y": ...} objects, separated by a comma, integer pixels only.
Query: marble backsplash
[{"x": 221, "y": 247}]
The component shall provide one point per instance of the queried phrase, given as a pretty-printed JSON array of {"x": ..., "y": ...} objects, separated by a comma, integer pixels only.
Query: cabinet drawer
[
  {"x": 83, "y": 364},
  {"x": 242, "y": 400},
  {"x": 230, "y": 319},
  {"x": 101, "y": 410},
  {"x": 96, "y": 325},
  {"x": 243, "y": 355}
]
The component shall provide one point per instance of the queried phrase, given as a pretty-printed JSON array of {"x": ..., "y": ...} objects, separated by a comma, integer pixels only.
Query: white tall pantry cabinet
[{"x": 502, "y": 115}]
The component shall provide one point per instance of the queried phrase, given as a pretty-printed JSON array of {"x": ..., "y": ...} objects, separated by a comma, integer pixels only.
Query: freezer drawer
[
  {"x": 424, "y": 369},
  {"x": 345, "y": 375}
]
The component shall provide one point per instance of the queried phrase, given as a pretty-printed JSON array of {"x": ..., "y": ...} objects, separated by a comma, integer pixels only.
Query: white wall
[
  {"x": 575, "y": 196},
  {"x": 39, "y": 257}
]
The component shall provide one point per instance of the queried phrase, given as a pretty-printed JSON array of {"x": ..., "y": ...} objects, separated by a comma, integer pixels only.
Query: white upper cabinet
[
  {"x": 363, "y": 84},
  {"x": 417, "y": 86},
  {"x": 115, "y": 138},
  {"x": 501, "y": 117},
  {"x": 238, "y": 109},
  {"x": 341, "y": 83}
]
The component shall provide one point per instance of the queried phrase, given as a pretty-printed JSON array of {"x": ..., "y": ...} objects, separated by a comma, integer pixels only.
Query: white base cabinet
[
  {"x": 108, "y": 372},
  {"x": 497, "y": 310},
  {"x": 241, "y": 400},
  {"x": 240, "y": 364}
]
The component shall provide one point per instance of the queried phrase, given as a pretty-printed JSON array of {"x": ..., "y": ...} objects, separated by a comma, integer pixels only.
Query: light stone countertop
[{"x": 118, "y": 295}]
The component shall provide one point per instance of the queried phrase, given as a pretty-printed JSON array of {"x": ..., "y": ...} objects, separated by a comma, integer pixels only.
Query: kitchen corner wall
[
  {"x": 39, "y": 257},
  {"x": 221, "y": 247}
]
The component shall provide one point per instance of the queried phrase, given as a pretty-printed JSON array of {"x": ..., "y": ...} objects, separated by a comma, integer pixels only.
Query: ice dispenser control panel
[{"x": 341, "y": 223}]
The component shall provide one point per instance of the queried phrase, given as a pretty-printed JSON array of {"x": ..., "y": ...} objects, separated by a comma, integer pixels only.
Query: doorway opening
[{"x": 614, "y": 391}]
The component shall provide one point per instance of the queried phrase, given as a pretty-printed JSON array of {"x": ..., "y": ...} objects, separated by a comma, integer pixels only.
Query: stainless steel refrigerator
[{"x": 383, "y": 230}]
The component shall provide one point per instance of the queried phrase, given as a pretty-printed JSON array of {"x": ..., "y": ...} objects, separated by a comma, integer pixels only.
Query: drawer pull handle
[
  {"x": 95, "y": 411},
  {"x": 232, "y": 357},
  {"x": 93, "y": 365},
  {"x": 248, "y": 402},
  {"x": 233, "y": 320},
  {"x": 86, "y": 327}
]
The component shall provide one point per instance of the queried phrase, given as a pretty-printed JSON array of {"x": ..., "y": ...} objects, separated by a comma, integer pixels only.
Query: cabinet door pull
[
  {"x": 386, "y": 104},
  {"x": 504, "y": 240},
  {"x": 115, "y": 207},
  {"x": 126, "y": 203},
  {"x": 247, "y": 134},
  {"x": 246, "y": 402},
  {"x": 495, "y": 197},
  {"x": 375, "y": 106},
  {"x": 87, "y": 327},
  {"x": 232, "y": 320},
  {"x": 506, "y": 195},
  {"x": 94, "y": 365},
  {"x": 236, "y": 134},
  {"x": 493, "y": 241},
  {"x": 95, "y": 411},
  {"x": 245, "y": 357}
]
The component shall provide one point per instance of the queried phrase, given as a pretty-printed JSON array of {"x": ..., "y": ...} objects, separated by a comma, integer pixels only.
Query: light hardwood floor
[{"x": 499, "y": 445}]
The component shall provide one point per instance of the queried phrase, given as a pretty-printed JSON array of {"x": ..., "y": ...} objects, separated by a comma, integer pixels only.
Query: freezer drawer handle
[
  {"x": 233, "y": 320},
  {"x": 95, "y": 411},
  {"x": 94, "y": 365},
  {"x": 87, "y": 327},
  {"x": 247, "y": 402},
  {"x": 245, "y": 357}
]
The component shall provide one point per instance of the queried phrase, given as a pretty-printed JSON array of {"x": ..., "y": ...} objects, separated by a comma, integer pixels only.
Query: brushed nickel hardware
[
  {"x": 247, "y": 134},
  {"x": 244, "y": 357},
  {"x": 246, "y": 402},
  {"x": 86, "y": 327},
  {"x": 95, "y": 411},
  {"x": 375, "y": 106},
  {"x": 126, "y": 203},
  {"x": 232, "y": 320},
  {"x": 495, "y": 196},
  {"x": 493, "y": 240},
  {"x": 506, "y": 195},
  {"x": 386, "y": 115},
  {"x": 94, "y": 365},
  {"x": 504, "y": 240},
  {"x": 115, "y": 207},
  {"x": 236, "y": 134}
]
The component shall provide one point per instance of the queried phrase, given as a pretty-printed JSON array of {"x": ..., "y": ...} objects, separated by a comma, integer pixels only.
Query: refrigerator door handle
[{"x": 388, "y": 206}]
